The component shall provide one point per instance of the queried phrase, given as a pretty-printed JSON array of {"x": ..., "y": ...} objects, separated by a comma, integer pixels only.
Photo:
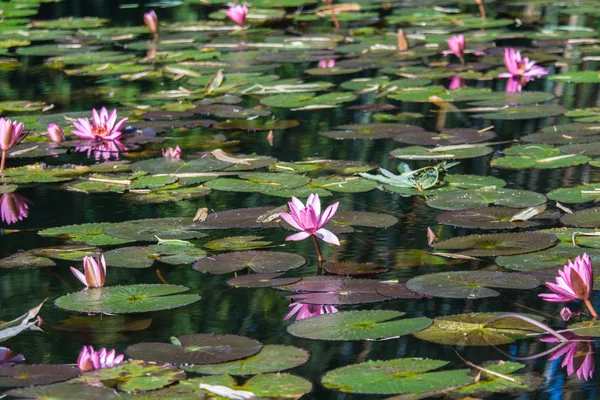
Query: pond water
[{"x": 294, "y": 128}]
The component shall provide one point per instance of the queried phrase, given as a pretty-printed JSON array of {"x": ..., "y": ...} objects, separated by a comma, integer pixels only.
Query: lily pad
[
  {"x": 474, "y": 330},
  {"x": 103, "y": 324},
  {"x": 589, "y": 218},
  {"x": 66, "y": 392},
  {"x": 237, "y": 243},
  {"x": 262, "y": 280},
  {"x": 30, "y": 375},
  {"x": 556, "y": 256},
  {"x": 257, "y": 261},
  {"x": 308, "y": 100},
  {"x": 259, "y": 182},
  {"x": 371, "y": 131},
  {"x": 484, "y": 218},
  {"x": 577, "y": 194},
  {"x": 498, "y": 244},
  {"x": 489, "y": 383},
  {"x": 538, "y": 156},
  {"x": 144, "y": 257},
  {"x": 271, "y": 358},
  {"x": 127, "y": 299},
  {"x": 196, "y": 349},
  {"x": 524, "y": 112},
  {"x": 423, "y": 153},
  {"x": 472, "y": 198},
  {"x": 402, "y": 375},
  {"x": 357, "y": 325},
  {"x": 353, "y": 268},
  {"x": 92, "y": 234},
  {"x": 149, "y": 229},
  {"x": 469, "y": 284},
  {"x": 447, "y": 137},
  {"x": 336, "y": 291}
]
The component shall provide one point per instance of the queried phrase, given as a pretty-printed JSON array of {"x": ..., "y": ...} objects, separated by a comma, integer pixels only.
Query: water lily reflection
[
  {"x": 302, "y": 311},
  {"x": 13, "y": 208},
  {"x": 102, "y": 150},
  {"x": 578, "y": 354},
  {"x": 7, "y": 357}
]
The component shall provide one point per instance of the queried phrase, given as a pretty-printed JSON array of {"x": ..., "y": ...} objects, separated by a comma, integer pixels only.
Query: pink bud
[{"x": 55, "y": 133}]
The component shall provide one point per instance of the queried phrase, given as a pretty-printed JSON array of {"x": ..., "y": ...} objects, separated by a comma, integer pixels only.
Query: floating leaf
[
  {"x": 357, "y": 325},
  {"x": 261, "y": 280},
  {"x": 446, "y": 137},
  {"x": 92, "y": 234},
  {"x": 104, "y": 324},
  {"x": 196, "y": 349},
  {"x": 556, "y": 256},
  {"x": 66, "y": 392},
  {"x": 423, "y": 153},
  {"x": 127, "y": 299},
  {"x": 148, "y": 229},
  {"x": 589, "y": 218},
  {"x": 524, "y": 112},
  {"x": 30, "y": 375},
  {"x": 353, "y": 268},
  {"x": 258, "y": 261},
  {"x": 472, "y": 198},
  {"x": 336, "y": 291},
  {"x": 497, "y": 244},
  {"x": 483, "y": 218},
  {"x": 489, "y": 383},
  {"x": 577, "y": 194},
  {"x": 371, "y": 131}
]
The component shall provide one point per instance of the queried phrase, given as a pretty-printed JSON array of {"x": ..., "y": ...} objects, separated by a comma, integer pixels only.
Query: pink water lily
[
  {"x": 7, "y": 357},
  {"x": 326, "y": 63},
  {"x": 172, "y": 153},
  {"x": 94, "y": 271},
  {"x": 104, "y": 126},
  {"x": 457, "y": 47},
  {"x": 237, "y": 14},
  {"x": 520, "y": 70},
  {"x": 55, "y": 133},
  {"x": 456, "y": 83},
  {"x": 90, "y": 360},
  {"x": 151, "y": 21},
  {"x": 13, "y": 208},
  {"x": 309, "y": 220},
  {"x": 302, "y": 311},
  {"x": 11, "y": 134},
  {"x": 575, "y": 282}
]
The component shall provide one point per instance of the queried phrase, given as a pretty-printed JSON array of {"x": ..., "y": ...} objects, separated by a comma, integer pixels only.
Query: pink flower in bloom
[
  {"x": 7, "y": 357},
  {"x": 575, "y": 282},
  {"x": 308, "y": 310},
  {"x": 237, "y": 14},
  {"x": 151, "y": 21},
  {"x": 172, "y": 153},
  {"x": 13, "y": 208},
  {"x": 579, "y": 354},
  {"x": 326, "y": 63},
  {"x": 520, "y": 70},
  {"x": 103, "y": 126},
  {"x": 11, "y": 134},
  {"x": 94, "y": 271},
  {"x": 309, "y": 220},
  {"x": 55, "y": 133},
  {"x": 103, "y": 150},
  {"x": 456, "y": 83},
  {"x": 457, "y": 47},
  {"x": 90, "y": 360}
]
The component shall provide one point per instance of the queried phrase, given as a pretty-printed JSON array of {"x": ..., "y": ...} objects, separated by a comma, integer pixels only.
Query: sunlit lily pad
[
  {"x": 271, "y": 358},
  {"x": 472, "y": 330},
  {"x": 404, "y": 258},
  {"x": 92, "y": 234},
  {"x": 576, "y": 194},
  {"x": 149, "y": 229},
  {"x": 196, "y": 349},
  {"x": 352, "y": 184},
  {"x": 166, "y": 166},
  {"x": 524, "y": 112},
  {"x": 538, "y": 156},
  {"x": 257, "y": 261},
  {"x": 272, "y": 386},
  {"x": 71, "y": 23},
  {"x": 472, "y": 198},
  {"x": 446, "y": 137},
  {"x": 464, "y": 181},
  {"x": 38, "y": 173},
  {"x": 370, "y": 131},
  {"x": 237, "y": 243},
  {"x": 589, "y": 218},
  {"x": 127, "y": 299},
  {"x": 469, "y": 284},
  {"x": 309, "y": 100},
  {"x": 30, "y": 375},
  {"x": 259, "y": 182},
  {"x": 489, "y": 383},
  {"x": 484, "y": 218},
  {"x": 556, "y": 256},
  {"x": 497, "y": 244},
  {"x": 402, "y": 375},
  {"x": 144, "y": 257},
  {"x": 262, "y": 280},
  {"x": 257, "y": 124},
  {"x": 66, "y": 392},
  {"x": 424, "y": 153},
  {"x": 357, "y": 325}
]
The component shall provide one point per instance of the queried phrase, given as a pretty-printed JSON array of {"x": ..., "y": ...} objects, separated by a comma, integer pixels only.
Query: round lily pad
[
  {"x": 246, "y": 218},
  {"x": 469, "y": 284},
  {"x": 423, "y": 153},
  {"x": 259, "y": 182},
  {"x": 577, "y": 194},
  {"x": 271, "y": 358},
  {"x": 149, "y": 229},
  {"x": 447, "y": 137},
  {"x": 40, "y": 374},
  {"x": 262, "y": 280},
  {"x": 497, "y": 244},
  {"x": 353, "y": 268},
  {"x": 473, "y": 330},
  {"x": 92, "y": 234},
  {"x": 257, "y": 125},
  {"x": 524, "y": 112},
  {"x": 357, "y": 325},
  {"x": 402, "y": 375},
  {"x": 196, "y": 349},
  {"x": 257, "y": 261},
  {"x": 499, "y": 384},
  {"x": 484, "y": 218},
  {"x": 336, "y": 291},
  {"x": 144, "y": 257},
  {"x": 237, "y": 243},
  {"x": 404, "y": 258},
  {"x": 66, "y": 391},
  {"x": 371, "y": 131},
  {"x": 589, "y": 218},
  {"x": 397, "y": 291},
  {"x": 127, "y": 299},
  {"x": 556, "y": 256},
  {"x": 472, "y": 198},
  {"x": 308, "y": 100}
]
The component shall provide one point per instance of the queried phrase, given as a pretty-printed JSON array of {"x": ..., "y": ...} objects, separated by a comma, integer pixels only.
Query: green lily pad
[
  {"x": 166, "y": 166},
  {"x": 577, "y": 194},
  {"x": 259, "y": 182},
  {"x": 196, "y": 349},
  {"x": 341, "y": 184},
  {"x": 271, "y": 358},
  {"x": 30, "y": 375},
  {"x": 357, "y": 325},
  {"x": 134, "y": 376},
  {"x": 272, "y": 386},
  {"x": 405, "y": 258},
  {"x": 472, "y": 198},
  {"x": 469, "y": 284},
  {"x": 257, "y": 261},
  {"x": 483, "y": 218},
  {"x": 497, "y": 244},
  {"x": 489, "y": 383},
  {"x": 589, "y": 218},
  {"x": 66, "y": 392},
  {"x": 463, "y": 181},
  {"x": 447, "y": 137},
  {"x": 144, "y": 257},
  {"x": 39, "y": 173},
  {"x": 262, "y": 280},
  {"x": 127, "y": 299},
  {"x": 92, "y": 234},
  {"x": 423, "y": 153},
  {"x": 311, "y": 100},
  {"x": 71, "y": 23},
  {"x": 524, "y": 112},
  {"x": 371, "y": 131},
  {"x": 402, "y": 375},
  {"x": 149, "y": 229},
  {"x": 257, "y": 125},
  {"x": 538, "y": 156},
  {"x": 577, "y": 77},
  {"x": 167, "y": 194},
  {"x": 501, "y": 99},
  {"x": 473, "y": 330},
  {"x": 237, "y": 243},
  {"x": 556, "y": 256}
]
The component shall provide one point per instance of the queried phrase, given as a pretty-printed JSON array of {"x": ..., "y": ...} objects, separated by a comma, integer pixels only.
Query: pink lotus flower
[
  {"x": 575, "y": 282},
  {"x": 172, "y": 153},
  {"x": 11, "y": 134},
  {"x": 103, "y": 150},
  {"x": 456, "y": 83},
  {"x": 237, "y": 14},
  {"x": 151, "y": 21},
  {"x": 7, "y": 357},
  {"x": 55, "y": 133},
  {"x": 308, "y": 311},
  {"x": 579, "y": 354},
  {"x": 520, "y": 70},
  {"x": 457, "y": 47},
  {"x": 326, "y": 63},
  {"x": 90, "y": 360},
  {"x": 13, "y": 208},
  {"x": 103, "y": 126},
  {"x": 94, "y": 271},
  {"x": 309, "y": 220}
]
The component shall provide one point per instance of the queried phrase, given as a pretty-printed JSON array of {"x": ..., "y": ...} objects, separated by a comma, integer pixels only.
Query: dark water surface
[{"x": 258, "y": 313}]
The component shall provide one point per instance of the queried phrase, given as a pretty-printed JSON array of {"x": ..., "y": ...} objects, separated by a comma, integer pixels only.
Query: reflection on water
[{"x": 13, "y": 207}]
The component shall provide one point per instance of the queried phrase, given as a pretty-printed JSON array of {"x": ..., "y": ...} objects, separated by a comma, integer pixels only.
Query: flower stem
[
  {"x": 243, "y": 34},
  {"x": 530, "y": 321},
  {"x": 462, "y": 60},
  {"x": 3, "y": 160},
  {"x": 333, "y": 16},
  {"x": 317, "y": 248},
  {"x": 481, "y": 9},
  {"x": 589, "y": 306}
]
